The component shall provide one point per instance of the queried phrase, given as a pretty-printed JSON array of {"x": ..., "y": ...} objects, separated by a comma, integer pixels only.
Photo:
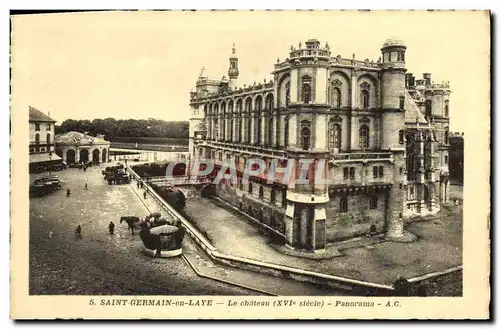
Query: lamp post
[{"x": 50, "y": 165}]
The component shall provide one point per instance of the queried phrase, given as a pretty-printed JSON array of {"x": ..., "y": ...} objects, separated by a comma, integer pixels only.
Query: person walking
[
  {"x": 68, "y": 192},
  {"x": 111, "y": 228},
  {"x": 86, "y": 186},
  {"x": 78, "y": 231},
  {"x": 144, "y": 195}
]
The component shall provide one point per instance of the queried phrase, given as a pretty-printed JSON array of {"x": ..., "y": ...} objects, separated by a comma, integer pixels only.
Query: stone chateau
[{"x": 383, "y": 132}]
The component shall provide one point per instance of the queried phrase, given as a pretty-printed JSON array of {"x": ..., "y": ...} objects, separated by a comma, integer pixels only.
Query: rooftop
[
  {"x": 37, "y": 115},
  {"x": 75, "y": 137}
]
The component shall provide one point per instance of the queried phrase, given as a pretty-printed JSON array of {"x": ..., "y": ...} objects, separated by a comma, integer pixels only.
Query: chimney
[
  {"x": 410, "y": 81},
  {"x": 427, "y": 78}
]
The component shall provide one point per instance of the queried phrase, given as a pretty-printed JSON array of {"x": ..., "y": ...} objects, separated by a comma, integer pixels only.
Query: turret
[
  {"x": 233, "y": 71},
  {"x": 393, "y": 90}
]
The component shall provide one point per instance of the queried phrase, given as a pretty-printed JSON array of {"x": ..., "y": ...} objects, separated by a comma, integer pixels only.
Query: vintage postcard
[{"x": 250, "y": 165}]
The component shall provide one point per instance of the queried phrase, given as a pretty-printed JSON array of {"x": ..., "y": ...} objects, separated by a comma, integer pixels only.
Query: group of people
[
  {"x": 111, "y": 228},
  {"x": 68, "y": 191}
]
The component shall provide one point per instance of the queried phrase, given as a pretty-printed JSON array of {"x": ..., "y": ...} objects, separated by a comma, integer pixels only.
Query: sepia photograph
[{"x": 250, "y": 164}]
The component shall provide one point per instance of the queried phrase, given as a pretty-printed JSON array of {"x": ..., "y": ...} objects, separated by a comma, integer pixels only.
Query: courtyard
[
  {"x": 103, "y": 264},
  {"x": 438, "y": 248},
  {"x": 100, "y": 263}
]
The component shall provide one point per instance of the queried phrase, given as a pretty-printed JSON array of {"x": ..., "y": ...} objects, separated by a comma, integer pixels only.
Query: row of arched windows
[{"x": 37, "y": 139}]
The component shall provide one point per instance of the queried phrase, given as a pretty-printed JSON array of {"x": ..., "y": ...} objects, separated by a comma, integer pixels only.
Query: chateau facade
[{"x": 383, "y": 135}]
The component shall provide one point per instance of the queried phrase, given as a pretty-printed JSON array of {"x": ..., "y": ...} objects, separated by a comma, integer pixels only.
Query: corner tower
[
  {"x": 393, "y": 92},
  {"x": 302, "y": 104}
]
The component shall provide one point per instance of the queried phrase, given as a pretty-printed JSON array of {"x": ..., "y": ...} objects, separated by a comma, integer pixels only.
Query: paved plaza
[
  {"x": 104, "y": 264},
  {"x": 100, "y": 263}
]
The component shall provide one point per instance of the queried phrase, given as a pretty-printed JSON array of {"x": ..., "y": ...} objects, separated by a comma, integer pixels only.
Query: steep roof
[
  {"x": 75, "y": 137},
  {"x": 412, "y": 112},
  {"x": 36, "y": 115}
]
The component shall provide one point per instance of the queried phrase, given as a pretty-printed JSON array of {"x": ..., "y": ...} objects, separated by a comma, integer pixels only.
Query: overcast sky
[{"x": 142, "y": 65}]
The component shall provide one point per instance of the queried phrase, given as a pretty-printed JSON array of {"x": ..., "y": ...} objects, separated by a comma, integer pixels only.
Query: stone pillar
[
  {"x": 447, "y": 190},
  {"x": 304, "y": 225},
  {"x": 64, "y": 154},
  {"x": 263, "y": 127},
  {"x": 235, "y": 129},
  {"x": 354, "y": 104},
  {"x": 319, "y": 228},
  {"x": 244, "y": 128},
  {"x": 209, "y": 127},
  {"x": 252, "y": 128},
  {"x": 77, "y": 155},
  {"x": 282, "y": 130},
  {"x": 394, "y": 212}
]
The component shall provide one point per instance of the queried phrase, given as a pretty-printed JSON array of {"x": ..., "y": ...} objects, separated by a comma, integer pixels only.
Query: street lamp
[{"x": 50, "y": 164}]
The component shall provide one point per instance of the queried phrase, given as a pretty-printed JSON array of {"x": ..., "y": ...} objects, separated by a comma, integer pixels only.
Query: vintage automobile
[
  {"x": 162, "y": 241},
  {"x": 45, "y": 185},
  {"x": 117, "y": 176}
]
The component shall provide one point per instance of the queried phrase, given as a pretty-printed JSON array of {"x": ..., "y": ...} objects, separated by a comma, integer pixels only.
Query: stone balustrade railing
[{"x": 361, "y": 156}]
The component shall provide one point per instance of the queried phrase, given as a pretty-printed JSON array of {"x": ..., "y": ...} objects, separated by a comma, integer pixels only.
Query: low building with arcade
[{"x": 76, "y": 147}]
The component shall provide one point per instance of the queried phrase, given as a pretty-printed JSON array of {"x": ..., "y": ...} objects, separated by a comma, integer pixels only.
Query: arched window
[
  {"x": 250, "y": 188},
  {"x": 446, "y": 108},
  {"x": 401, "y": 102},
  {"x": 334, "y": 137},
  {"x": 37, "y": 139},
  {"x": 287, "y": 94},
  {"x": 446, "y": 136},
  {"x": 273, "y": 195},
  {"x": 261, "y": 192},
  {"x": 373, "y": 202},
  {"x": 365, "y": 99},
  {"x": 306, "y": 93},
  {"x": 305, "y": 135},
  {"x": 48, "y": 138},
  {"x": 364, "y": 137},
  {"x": 343, "y": 205},
  {"x": 337, "y": 97},
  {"x": 241, "y": 184},
  {"x": 401, "y": 137}
]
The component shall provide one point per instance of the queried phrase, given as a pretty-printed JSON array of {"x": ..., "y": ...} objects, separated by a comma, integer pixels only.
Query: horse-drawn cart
[{"x": 163, "y": 241}]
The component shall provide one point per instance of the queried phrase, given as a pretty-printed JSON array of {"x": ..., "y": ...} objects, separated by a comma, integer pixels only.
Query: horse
[{"x": 133, "y": 222}]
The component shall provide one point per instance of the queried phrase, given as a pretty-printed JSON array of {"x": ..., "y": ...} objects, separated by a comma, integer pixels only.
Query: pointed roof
[
  {"x": 36, "y": 115},
  {"x": 412, "y": 114}
]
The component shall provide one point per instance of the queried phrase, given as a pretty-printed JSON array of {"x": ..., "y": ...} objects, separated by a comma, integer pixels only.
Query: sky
[{"x": 143, "y": 64}]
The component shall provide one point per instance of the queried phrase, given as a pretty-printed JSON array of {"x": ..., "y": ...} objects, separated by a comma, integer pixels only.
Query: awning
[{"x": 44, "y": 157}]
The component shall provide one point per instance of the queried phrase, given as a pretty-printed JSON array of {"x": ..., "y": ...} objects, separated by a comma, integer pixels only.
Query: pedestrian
[
  {"x": 78, "y": 231},
  {"x": 144, "y": 195},
  {"x": 86, "y": 186},
  {"x": 84, "y": 168},
  {"x": 111, "y": 228},
  {"x": 137, "y": 184},
  {"x": 68, "y": 192}
]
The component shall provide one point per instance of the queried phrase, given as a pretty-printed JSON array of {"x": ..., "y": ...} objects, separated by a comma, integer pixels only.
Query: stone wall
[
  {"x": 357, "y": 220},
  {"x": 251, "y": 204}
]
